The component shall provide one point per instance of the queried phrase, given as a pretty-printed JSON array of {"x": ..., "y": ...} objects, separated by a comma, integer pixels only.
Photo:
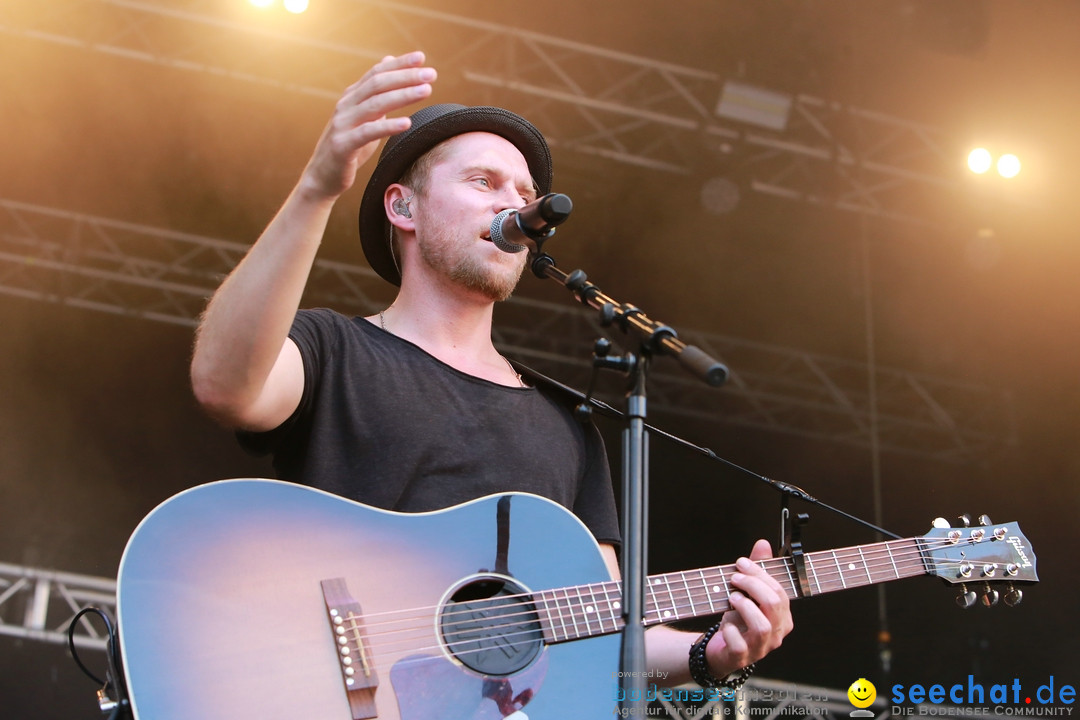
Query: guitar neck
[{"x": 581, "y": 611}]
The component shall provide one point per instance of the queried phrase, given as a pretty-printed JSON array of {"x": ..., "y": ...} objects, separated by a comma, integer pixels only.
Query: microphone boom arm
[{"x": 656, "y": 338}]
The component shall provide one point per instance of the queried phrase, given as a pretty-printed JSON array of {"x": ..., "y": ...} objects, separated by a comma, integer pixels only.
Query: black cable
[
  {"x": 606, "y": 410},
  {"x": 114, "y": 677},
  {"x": 71, "y": 640}
]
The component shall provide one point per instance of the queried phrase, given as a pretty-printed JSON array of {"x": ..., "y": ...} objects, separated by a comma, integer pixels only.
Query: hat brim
[{"x": 431, "y": 126}]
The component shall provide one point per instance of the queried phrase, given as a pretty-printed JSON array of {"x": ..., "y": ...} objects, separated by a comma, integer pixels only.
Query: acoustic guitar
[{"x": 271, "y": 601}]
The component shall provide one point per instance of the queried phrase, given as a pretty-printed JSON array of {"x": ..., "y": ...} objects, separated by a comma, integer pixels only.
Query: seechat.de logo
[{"x": 862, "y": 694}]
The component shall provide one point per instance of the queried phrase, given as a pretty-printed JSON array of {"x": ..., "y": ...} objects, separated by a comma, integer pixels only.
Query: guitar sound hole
[{"x": 490, "y": 624}]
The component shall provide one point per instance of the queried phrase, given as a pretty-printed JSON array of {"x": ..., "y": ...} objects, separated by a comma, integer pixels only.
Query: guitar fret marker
[
  {"x": 594, "y": 607},
  {"x": 612, "y": 606},
  {"x": 708, "y": 596},
  {"x": 674, "y": 604},
  {"x": 581, "y": 602}
]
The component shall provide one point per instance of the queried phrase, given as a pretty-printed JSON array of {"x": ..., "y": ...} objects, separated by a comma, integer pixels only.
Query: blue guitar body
[
  {"x": 264, "y": 600},
  {"x": 271, "y": 601}
]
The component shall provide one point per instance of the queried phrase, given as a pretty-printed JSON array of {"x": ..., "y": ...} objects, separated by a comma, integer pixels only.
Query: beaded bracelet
[{"x": 699, "y": 666}]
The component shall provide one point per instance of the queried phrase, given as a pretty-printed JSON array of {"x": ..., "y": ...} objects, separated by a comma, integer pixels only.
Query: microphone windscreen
[{"x": 497, "y": 235}]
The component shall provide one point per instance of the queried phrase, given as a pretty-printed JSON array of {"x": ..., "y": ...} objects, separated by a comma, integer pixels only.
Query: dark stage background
[{"x": 98, "y": 425}]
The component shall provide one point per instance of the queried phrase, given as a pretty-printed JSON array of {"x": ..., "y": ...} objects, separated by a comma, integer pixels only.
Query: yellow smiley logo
[{"x": 862, "y": 693}]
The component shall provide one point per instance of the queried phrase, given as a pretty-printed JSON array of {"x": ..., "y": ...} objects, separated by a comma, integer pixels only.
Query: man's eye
[{"x": 484, "y": 181}]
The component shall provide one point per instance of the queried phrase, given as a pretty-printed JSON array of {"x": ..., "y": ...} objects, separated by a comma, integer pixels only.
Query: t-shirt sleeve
[
  {"x": 313, "y": 331},
  {"x": 595, "y": 502}
]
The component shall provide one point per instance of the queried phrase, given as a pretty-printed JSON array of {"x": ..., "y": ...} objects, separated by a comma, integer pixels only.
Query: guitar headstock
[{"x": 981, "y": 557}]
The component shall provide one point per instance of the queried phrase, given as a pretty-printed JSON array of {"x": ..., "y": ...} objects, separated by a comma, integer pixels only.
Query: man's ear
[{"x": 397, "y": 202}]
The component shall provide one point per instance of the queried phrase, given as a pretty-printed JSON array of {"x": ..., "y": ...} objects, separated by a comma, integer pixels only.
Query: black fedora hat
[{"x": 430, "y": 126}]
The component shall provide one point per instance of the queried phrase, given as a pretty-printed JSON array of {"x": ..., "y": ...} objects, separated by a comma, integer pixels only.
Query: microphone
[{"x": 515, "y": 230}]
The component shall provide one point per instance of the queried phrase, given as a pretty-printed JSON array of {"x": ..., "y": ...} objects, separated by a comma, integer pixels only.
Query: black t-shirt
[{"x": 384, "y": 423}]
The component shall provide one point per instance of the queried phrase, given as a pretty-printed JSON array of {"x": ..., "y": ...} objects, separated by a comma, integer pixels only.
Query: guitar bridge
[{"x": 351, "y": 646}]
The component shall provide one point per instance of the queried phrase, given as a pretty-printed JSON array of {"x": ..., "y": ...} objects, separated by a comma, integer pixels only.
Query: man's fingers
[
  {"x": 390, "y": 63},
  {"x": 753, "y": 618},
  {"x": 759, "y": 586},
  {"x": 734, "y": 643},
  {"x": 762, "y": 550},
  {"x": 389, "y": 85}
]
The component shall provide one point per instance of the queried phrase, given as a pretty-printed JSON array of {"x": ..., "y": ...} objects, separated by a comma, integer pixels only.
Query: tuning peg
[
  {"x": 966, "y": 598},
  {"x": 1013, "y": 596},
  {"x": 965, "y": 520},
  {"x": 984, "y": 520},
  {"x": 990, "y": 596}
]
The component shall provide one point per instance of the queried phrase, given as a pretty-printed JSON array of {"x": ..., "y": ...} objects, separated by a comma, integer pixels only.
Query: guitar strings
[
  {"x": 511, "y": 639},
  {"x": 461, "y": 649},
  {"x": 872, "y": 558},
  {"x": 817, "y": 577},
  {"x": 515, "y": 621}
]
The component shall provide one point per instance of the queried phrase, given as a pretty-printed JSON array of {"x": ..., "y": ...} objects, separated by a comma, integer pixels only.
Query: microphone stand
[{"x": 654, "y": 339}]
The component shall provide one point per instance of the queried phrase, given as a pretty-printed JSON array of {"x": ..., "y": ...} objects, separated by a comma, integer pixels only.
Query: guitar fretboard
[{"x": 581, "y": 611}]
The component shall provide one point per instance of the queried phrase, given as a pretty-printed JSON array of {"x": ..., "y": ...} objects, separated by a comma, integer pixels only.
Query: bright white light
[
  {"x": 1008, "y": 166},
  {"x": 979, "y": 160},
  {"x": 296, "y": 6},
  {"x": 261, "y": 3}
]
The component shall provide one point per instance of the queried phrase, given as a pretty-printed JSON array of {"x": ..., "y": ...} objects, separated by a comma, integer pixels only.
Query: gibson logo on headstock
[{"x": 1019, "y": 547}]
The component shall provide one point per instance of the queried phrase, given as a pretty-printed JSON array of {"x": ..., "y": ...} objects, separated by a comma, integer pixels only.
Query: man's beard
[{"x": 495, "y": 283}]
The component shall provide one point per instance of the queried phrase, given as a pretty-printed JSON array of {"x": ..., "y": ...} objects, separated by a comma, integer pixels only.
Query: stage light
[
  {"x": 1008, "y": 166},
  {"x": 296, "y": 6},
  {"x": 754, "y": 105},
  {"x": 980, "y": 160}
]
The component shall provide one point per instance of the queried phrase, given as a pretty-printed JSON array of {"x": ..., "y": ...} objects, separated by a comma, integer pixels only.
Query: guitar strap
[
  {"x": 503, "y": 535},
  {"x": 539, "y": 379}
]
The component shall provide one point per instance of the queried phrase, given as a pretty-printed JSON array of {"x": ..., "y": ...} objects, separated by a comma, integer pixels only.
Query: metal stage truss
[
  {"x": 589, "y": 100},
  {"x": 145, "y": 272},
  {"x": 40, "y": 605}
]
